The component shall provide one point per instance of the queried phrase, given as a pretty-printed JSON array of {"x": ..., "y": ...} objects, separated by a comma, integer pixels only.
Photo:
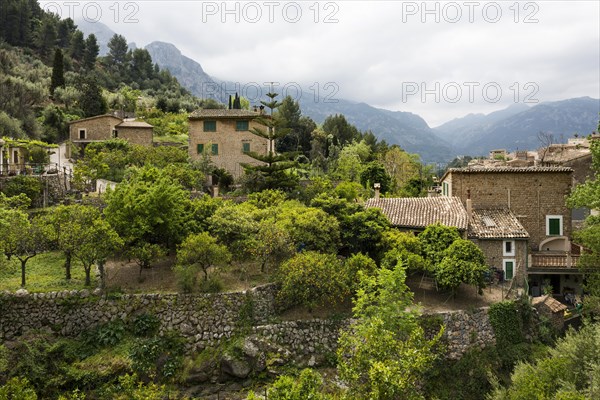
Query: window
[
  {"x": 210, "y": 126},
  {"x": 445, "y": 189},
  {"x": 241, "y": 125},
  {"x": 214, "y": 149},
  {"x": 554, "y": 225},
  {"x": 245, "y": 147},
  {"x": 82, "y": 134},
  {"x": 115, "y": 133},
  {"x": 509, "y": 268},
  {"x": 509, "y": 248},
  {"x": 200, "y": 148}
]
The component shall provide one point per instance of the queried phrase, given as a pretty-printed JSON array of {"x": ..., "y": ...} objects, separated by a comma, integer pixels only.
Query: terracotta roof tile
[
  {"x": 550, "y": 302},
  {"x": 419, "y": 212},
  {"x": 222, "y": 113},
  {"x": 134, "y": 124},
  {"x": 503, "y": 168},
  {"x": 495, "y": 224}
]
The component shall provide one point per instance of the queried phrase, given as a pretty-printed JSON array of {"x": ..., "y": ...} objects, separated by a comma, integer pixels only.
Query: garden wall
[{"x": 206, "y": 319}]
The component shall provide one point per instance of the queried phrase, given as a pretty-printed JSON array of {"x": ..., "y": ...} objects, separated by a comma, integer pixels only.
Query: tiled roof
[
  {"x": 495, "y": 224},
  {"x": 134, "y": 124},
  {"x": 553, "y": 305},
  {"x": 222, "y": 113},
  {"x": 476, "y": 169},
  {"x": 94, "y": 117},
  {"x": 419, "y": 212}
]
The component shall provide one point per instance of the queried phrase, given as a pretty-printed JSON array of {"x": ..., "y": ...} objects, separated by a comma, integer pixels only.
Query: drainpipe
[{"x": 469, "y": 206}]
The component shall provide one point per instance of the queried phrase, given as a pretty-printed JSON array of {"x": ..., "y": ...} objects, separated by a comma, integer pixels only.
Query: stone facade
[
  {"x": 93, "y": 129},
  {"x": 136, "y": 134},
  {"x": 531, "y": 194},
  {"x": 493, "y": 249},
  {"x": 105, "y": 127},
  {"x": 227, "y": 137}
]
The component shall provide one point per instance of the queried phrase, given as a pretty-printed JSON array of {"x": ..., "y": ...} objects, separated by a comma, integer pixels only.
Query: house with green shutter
[
  {"x": 520, "y": 220},
  {"x": 224, "y": 135}
]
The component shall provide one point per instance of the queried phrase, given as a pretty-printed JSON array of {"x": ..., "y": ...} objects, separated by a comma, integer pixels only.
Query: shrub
[
  {"x": 145, "y": 325},
  {"x": 17, "y": 389},
  {"x": 28, "y": 185},
  {"x": 311, "y": 279}
]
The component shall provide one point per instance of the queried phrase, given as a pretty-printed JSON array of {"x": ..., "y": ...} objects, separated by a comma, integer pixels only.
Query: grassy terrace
[{"x": 44, "y": 273}]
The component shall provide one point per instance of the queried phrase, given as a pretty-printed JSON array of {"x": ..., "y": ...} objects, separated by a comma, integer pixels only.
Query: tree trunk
[
  {"x": 68, "y": 257},
  {"x": 102, "y": 275},
  {"x": 88, "y": 281},
  {"x": 205, "y": 270},
  {"x": 23, "y": 263}
]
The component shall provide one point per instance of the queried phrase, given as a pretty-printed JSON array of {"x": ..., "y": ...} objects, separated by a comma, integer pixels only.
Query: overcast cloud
[{"x": 384, "y": 53}]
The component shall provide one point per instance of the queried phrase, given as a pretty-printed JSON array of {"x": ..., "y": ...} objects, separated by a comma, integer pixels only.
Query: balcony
[{"x": 553, "y": 260}]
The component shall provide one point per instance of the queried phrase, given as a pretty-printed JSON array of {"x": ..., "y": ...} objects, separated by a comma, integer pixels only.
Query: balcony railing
[
  {"x": 28, "y": 169},
  {"x": 553, "y": 261}
]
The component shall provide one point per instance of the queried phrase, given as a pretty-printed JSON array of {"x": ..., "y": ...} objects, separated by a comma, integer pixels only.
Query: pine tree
[
  {"x": 92, "y": 103},
  {"x": 273, "y": 173},
  {"x": 77, "y": 48},
  {"x": 58, "y": 73},
  {"x": 91, "y": 52}
]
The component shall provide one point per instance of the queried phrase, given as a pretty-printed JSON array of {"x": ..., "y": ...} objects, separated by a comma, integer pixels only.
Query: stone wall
[
  {"x": 207, "y": 319},
  {"x": 202, "y": 319},
  {"x": 96, "y": 128},
  {"x": 136, "y": 135}
]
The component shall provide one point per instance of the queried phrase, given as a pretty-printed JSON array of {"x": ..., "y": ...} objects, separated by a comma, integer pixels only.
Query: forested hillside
[{"x": 51, "y": 74}]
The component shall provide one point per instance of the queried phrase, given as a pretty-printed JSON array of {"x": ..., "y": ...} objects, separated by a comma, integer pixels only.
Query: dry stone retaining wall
[{"x": 207, "y": 319}]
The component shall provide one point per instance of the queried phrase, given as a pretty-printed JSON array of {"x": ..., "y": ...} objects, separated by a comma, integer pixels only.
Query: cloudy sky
[{"x": 440, "y": 60}]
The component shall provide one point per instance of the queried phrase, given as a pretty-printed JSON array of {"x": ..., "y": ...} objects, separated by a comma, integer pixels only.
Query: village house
[
  {"x": 532, "y": 202},
  {"x": 105, "y": 127},
  {"x": 224, "y": 135},
  {"x": 516, "y": 215},
  {"x": 15, "y": 158}
]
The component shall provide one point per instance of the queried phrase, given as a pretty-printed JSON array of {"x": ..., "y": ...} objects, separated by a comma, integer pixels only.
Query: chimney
[
  {"x": 377, "y": 187},
  {"x": 469, "y": 205},
  {"x": 261, "y": 110}
]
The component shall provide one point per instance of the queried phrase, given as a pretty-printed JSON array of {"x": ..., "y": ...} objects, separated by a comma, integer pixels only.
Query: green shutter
[
  {"x": 509, "y": 267},
  {"x": 554, "y": 226},
  {"x": 245, "y": 147},
  {"x": 241, "y": 125},
  {"x": 210, "y": 126},
  {"x": 200, "y": 148},
  {"x": 215, "y": 149}
]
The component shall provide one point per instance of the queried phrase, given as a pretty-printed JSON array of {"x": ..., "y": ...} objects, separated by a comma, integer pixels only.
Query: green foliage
[
  {"x": 569, "y": 371},
  {"x": 385, "y": 354},
  {"x": 463, "y": 262},
  {"x": 435, "y": 239},
  {"x": 145, "y": 325},
  {"x": 310, "y": 279},
  {"x": 158, "y": 357},
  {"x": 403, "y": 248},
  {"x": 373, "y": 173},
  {"x": 149, "y": 206},
  {"x": 109, "y": 334},
  {"x": 271, "y": 244},
  {"x": 267, "y": 198},
  {"x": 273, "y": 172},
  {"x": 306, "y": 386},
  {"x": 507, "y": 323},
  {"x": 357, "y": 264},
  {"x": 199, "y": 252},
  {"x": 130, "y": 388},
  {"x": 310, "y": 228},
  {"x": 28, "y": 185},
  {"x": 17, "y": 389}
]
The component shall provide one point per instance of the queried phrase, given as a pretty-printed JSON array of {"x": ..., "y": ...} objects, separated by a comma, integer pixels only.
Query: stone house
[
  {"x": 225, "y": 136},
  {"x": 105, "y": 127},
  {"x": 15, "y": 158},
  {"x": 534, "y": 198}
]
